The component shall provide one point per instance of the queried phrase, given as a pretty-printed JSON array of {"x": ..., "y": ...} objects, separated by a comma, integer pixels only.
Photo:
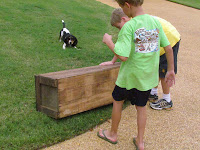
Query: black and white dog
[{"x": 68, "y": 39}]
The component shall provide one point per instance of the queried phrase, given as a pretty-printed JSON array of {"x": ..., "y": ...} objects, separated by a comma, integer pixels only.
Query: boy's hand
[
  {"x": 107, "y": 63},
  {"x": 107, "y": 38},
  {"x": 170, "y": 78}
]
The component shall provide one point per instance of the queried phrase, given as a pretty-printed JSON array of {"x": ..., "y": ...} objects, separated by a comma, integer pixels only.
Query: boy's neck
[{"x": 136, "y": 11}]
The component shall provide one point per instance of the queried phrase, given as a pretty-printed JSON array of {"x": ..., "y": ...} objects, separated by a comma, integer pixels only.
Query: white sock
[
  {"x": 167, "y": 97},
  {"x": 154, "y": 91}
]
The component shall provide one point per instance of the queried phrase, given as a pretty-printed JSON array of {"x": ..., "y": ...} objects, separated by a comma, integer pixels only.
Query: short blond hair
[
  {"x": 116, "y": 16},
  {"x": 133, "y": 2}
]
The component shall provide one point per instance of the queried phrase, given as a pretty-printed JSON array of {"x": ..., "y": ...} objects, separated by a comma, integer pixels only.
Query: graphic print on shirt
[{"x": 146, "y": 40}]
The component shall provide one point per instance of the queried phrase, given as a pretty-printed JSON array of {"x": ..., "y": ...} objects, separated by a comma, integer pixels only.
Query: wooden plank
[
  {"x": 69, "y": 96},
  {"x": 82, "y": 80},
  {"x": 98, "y": 96},
  {"x": 79, "y": 71},
  {"x": 85, "y": 104},
  {"x": 64, "y": 93}
]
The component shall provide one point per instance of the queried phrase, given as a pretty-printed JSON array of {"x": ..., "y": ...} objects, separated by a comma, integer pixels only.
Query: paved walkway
[{"x": 178, "y": 129}]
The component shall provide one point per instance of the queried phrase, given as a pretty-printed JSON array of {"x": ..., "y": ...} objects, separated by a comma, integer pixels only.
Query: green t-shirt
[{"x": 140, "y": 40}]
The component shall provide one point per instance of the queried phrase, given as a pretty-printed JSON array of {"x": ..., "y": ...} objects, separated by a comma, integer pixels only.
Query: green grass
[
  {"x": 29, "y": 46},
  {"x": 190, "y": 3}
]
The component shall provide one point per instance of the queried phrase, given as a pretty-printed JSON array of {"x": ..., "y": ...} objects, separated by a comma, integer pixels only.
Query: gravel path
[{"x": 178, "y": 129}]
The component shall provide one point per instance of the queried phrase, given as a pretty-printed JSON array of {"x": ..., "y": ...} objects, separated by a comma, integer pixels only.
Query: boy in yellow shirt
[{"x": 118, "y": 19}]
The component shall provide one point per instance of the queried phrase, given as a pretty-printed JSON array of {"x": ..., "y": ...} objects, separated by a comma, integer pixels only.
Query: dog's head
[{"x": 70, "y": 40}]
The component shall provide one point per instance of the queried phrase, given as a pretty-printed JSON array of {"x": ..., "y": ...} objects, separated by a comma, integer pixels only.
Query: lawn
[
  {"x": 29, "y": 46},
  {"x": 191, "y": 3}
]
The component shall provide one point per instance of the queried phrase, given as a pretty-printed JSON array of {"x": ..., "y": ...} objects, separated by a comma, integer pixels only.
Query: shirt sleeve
[
  {"x": 123, "y": 44},
  {"x": 163, "y": 38}
]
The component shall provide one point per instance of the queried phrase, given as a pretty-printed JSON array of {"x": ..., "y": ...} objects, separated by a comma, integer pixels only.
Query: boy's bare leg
[
  {"x": 141, "y": 123},
  {"x": 165, "y": 87},
  {"x": 116, "y": 117}
]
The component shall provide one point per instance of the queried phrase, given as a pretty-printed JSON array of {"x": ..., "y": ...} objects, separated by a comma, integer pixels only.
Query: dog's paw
[{"x": 64, "y": 46}]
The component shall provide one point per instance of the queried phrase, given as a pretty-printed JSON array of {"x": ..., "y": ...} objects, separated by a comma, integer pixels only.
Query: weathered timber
[{"x": 64, "y": 93}]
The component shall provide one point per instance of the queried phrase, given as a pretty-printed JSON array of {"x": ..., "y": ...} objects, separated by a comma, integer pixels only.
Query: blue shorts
[
  {"x": 163, "y": 61},
  {"x": 136, "y": 97}
]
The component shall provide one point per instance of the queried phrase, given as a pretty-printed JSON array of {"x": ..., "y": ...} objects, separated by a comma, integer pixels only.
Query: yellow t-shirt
[{"x": 172, "y": 34}]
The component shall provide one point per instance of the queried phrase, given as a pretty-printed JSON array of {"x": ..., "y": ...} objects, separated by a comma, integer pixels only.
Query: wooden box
[{"x": 64, "y": 93}]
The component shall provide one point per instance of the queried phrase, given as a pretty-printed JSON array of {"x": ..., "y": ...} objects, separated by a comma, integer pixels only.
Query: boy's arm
[
  {"x": 109, "y": 62},
  {"x": 114, "y": 59},
  {"x": 170, "y": 76},
  {"x": 107, "y": 39}
]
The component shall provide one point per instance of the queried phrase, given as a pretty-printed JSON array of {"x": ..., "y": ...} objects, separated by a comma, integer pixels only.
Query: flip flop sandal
[
  {"x": 105, "y": 138},
  {"x": 134, "y": 142}
]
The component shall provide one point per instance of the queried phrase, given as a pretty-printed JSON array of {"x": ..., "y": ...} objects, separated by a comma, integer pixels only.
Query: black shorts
[
  {"x": 136, "y": 97},
  {"x": 163, "y": 61}
]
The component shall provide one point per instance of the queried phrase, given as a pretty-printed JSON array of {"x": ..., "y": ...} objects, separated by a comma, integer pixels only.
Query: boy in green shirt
[
  {"x": 118, "y": 19},
  {"x": 138, "y": 47}
]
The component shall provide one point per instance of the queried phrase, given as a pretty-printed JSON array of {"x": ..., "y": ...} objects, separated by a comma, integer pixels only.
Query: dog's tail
[{"x": 63, "y": 23}]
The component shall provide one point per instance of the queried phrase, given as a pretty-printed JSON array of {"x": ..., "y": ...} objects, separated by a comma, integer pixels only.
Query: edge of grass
[{"x": 185, "y": 4}]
